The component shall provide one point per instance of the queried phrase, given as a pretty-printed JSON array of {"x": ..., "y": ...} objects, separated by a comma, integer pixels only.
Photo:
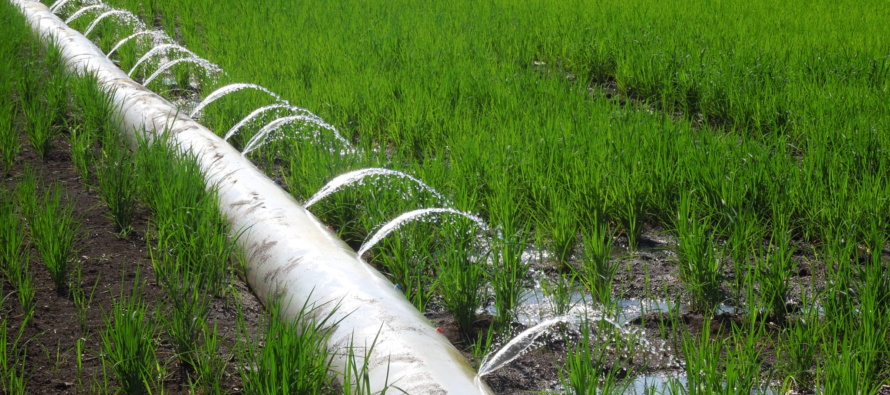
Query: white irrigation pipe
[{"x": 290, "y": 254}]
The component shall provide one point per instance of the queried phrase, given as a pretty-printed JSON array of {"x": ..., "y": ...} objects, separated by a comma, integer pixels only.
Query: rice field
[{"x": 722, "y": 164}]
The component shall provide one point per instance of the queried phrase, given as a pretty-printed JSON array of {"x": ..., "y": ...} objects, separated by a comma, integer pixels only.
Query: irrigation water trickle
[
  {"x": 61, "y": 3},
  {"x": 357, "y": 176},
  {"x": 203, "y": 63},
  {"x": 414, "y": 215},
  {"x": 515, "y": 347},
  {"x": 231, "y": 88},
  {"x": 263, "y": 135},
  {"x": 126, "y": 15},
  {"x": 157, "y": 50},
  {"x": 82, "y": 11},
  {"x": 260, "y": 111},
  {"x": 159, "y": 36}
]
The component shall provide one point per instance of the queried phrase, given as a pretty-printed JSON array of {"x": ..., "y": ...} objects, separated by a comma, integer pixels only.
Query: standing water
[
  {"x": 391, "y": 226},
  {"x": 357, "y": 176},
  {"x": 204, "y": 63},
  {"x": 230, "y": 89},
  {"x": 262, "y": 136},
  {"x": 127, "y": 15}
]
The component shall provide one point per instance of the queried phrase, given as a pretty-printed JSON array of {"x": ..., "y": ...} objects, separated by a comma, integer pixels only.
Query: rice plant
[
  {"x": 291, "y": 357},
  {"x": 55, "y": 229},
  {"x": 717, "y": 365},
  {"x": 129, "y": 343},
  {"x": 14, "y": 255},
  {"x": 597, "y": 268},
  {"x": 40, "y": 129},
  {"x": 461, "y": 283},
  {"x": 775, "y": 269},
  {"x": 700, "y": 266},
  {"x": 507, "y": 275},
  {"x": 117, "y": 185},
  {"x": 82, "y": 296},
  {"x": 10, "y": 145},
  {"x": 210, "y": 362},
  {"x": 588, "y": 368}
]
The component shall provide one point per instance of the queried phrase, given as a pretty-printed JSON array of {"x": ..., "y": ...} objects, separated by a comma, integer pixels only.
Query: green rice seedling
[
  {"x": 839, "y": 298},
  {"x": 55, "y": 233},
  {"x": 81, "y": 141},
  {"x": 587, "y": 369},
  {"x": 507, "y": 274},
  {"x": 482, "y": 345},
  {"x": 799, "y": 347},
  {"x": 291, "y": 357},
  {"x": 12, "y": 366},
  {"x": 560, "y": 292},
  {"x": 560, "y": 225},
  {"x": 94, "y": 107},
  {"x": 723, "y": 366},
  {"x": 26, "y": 194},
  {"x": 745, "y": 239},
  {"x": 210, "y": 363},
  {"x": 14, "y": 256},
  {"x": 129, "y": 343},
  {"x": 407, "y": 258},
  {"x": 39, "y": 129},
  {"x": 597, "y": 269},
  {"x": 189, "y": 306},
  {"x": 82, "y": 299},
  {"x": 629, "y": 205},
  {"x": 356, "y": 379},
  {"x": 78, "y": 359},
  {"x": 117, "y": 185},
  {"x": 700, "y": 267},
  {"x": 13, "y": 355},
  {"x": 775, "y": 269},
  {"x": 191, "y": 234},
  {"x": 10, "y": 145},
  {"x": 461, "y": 283},
  {"x": 94, "y": 104}
]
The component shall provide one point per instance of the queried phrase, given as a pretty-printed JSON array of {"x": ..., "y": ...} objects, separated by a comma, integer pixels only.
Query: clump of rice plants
[
  {"x": 118, "y": 184},
  {"x": 461, "y": 279},
  {"x": 13, "y": 379},
  {"x": 10, "y": 146},
  {"x": 723, "y": 365},
  {"x": 700, "y": 267},
  {"x": 54, "y": 229},
  {"x": 14, "y": 255},
  {"x": 94, "y": 108},
  {"x": 209, "y": 362},
  {"x": 775, "y": 269},
  {"x": 172, "y": 186},
  {"x": 597, "y": 269},
  {"x": 587, "y": 369},
  {"x": 291, "y": 357},
  {"x": 129, "y": 343}
]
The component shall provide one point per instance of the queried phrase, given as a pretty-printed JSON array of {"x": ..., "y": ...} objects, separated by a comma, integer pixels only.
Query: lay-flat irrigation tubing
[{"x": 290, "y": 254}]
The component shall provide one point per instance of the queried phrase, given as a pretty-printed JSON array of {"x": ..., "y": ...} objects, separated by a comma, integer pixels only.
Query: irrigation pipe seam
[{"x": 290, "y": 254}]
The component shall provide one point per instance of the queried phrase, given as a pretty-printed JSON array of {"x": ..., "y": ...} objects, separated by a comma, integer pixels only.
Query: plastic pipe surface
[{"x": 291, "y": 256}]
